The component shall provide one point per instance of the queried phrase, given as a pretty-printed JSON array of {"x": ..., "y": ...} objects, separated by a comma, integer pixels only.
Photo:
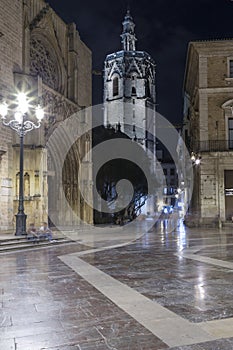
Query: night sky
[{"x": 163, "y": 29}]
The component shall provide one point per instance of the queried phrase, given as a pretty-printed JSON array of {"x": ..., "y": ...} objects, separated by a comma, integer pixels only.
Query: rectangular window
[
  {"x": 230, "y": 132},
  {"x": 230, "y": 68}
]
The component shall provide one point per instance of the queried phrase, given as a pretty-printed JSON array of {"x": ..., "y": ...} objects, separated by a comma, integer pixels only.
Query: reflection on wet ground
[
  {"x": 46, "y": 305},
  {"x": 196, "y": 291}
]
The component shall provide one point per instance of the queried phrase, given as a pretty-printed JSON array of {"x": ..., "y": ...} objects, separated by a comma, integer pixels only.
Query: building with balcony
[{"x": 208, "y": 129}]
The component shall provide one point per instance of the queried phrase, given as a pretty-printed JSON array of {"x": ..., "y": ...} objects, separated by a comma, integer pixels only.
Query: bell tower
[
  {"x": 128, "y": 35},
  {"x": 129, "y": 89}
]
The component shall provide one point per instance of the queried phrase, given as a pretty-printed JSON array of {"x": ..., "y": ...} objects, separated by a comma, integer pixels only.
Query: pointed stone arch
[
  {"x": 46, "y": 62},
  {"x": 134, "y": 67},
  {"x": 115, "y": 69}
]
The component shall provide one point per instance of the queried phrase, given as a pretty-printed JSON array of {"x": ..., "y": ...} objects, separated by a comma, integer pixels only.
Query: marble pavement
[{"x": 134, "y": 288}]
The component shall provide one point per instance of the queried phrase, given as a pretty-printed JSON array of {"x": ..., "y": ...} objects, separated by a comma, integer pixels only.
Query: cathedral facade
[{"x": 40, "y": 51}]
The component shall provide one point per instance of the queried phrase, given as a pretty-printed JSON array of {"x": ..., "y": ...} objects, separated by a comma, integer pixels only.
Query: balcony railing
[{"x": 212, "y": 146}]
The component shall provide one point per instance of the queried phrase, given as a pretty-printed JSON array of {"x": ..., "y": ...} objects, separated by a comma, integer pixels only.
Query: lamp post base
[{"x": 20, "y": 224}]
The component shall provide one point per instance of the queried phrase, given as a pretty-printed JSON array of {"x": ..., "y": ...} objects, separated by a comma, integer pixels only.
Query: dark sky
[{"x": 163, "y": 29}]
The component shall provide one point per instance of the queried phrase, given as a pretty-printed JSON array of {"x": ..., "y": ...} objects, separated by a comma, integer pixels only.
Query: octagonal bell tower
[{"x": 129, "y": 89}]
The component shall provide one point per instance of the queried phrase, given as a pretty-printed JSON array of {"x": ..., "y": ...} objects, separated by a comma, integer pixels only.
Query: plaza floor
[{"x": 127, "y": 288}]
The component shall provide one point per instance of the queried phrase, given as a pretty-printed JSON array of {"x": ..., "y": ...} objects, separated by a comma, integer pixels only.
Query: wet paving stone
[
  {"x": 194, "y": 290},
  {"x": 46, "y": 305},
  {"x": 222, "y": 344}
]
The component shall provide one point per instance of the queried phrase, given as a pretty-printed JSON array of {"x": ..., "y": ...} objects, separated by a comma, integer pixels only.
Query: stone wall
[{"x": 38, "y": 48}]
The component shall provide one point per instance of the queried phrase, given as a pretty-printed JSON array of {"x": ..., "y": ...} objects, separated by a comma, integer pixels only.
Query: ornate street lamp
[{"x": 21, "y": 124}]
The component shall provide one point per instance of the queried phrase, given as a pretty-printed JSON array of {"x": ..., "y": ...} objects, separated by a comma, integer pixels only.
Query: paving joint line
[{"x": 141, "y": 308}]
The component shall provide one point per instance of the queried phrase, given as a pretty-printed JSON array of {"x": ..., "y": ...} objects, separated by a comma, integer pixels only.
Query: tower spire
[{"x": 128, "y": 35}]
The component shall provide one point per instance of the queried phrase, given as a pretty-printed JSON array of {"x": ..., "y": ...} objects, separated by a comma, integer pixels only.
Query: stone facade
[
  {"x": 208, "y": 94},
  {"x": 40, "y": 51}
]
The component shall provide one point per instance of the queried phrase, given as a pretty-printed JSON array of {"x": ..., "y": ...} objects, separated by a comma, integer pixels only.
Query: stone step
[
  {"x": 12, "y": 242},
  {"x": 13, "y": 239},
  {"x": 21, "y": 240},
  {"x": 227, "y": 224},
  {"x": 22, "y": 243}
]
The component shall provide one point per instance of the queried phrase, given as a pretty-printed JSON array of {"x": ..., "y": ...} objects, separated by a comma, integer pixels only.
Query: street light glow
[
  {"x": 39, "y": 113},
  {"x": 22, "y": 103},
  {"x": 19, "y": 117}
]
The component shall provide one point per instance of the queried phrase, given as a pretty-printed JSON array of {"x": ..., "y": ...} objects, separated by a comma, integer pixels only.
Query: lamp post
[{"x": 22, "y": 125}]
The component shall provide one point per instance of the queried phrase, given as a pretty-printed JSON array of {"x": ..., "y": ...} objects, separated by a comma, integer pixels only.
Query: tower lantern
[{"x": 128, "y": 35}]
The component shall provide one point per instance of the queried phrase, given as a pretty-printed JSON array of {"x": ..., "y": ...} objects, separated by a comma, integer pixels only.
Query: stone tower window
[
  {"x": 115, "y": 86},
  {"x": 133, "y": 90}
]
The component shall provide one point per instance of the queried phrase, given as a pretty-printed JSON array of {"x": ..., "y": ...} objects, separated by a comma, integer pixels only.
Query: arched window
[
  {"x": 133, "y": 90},
  {"x": 43, "y": 62},
  {"x": 115, "y": 86}
]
